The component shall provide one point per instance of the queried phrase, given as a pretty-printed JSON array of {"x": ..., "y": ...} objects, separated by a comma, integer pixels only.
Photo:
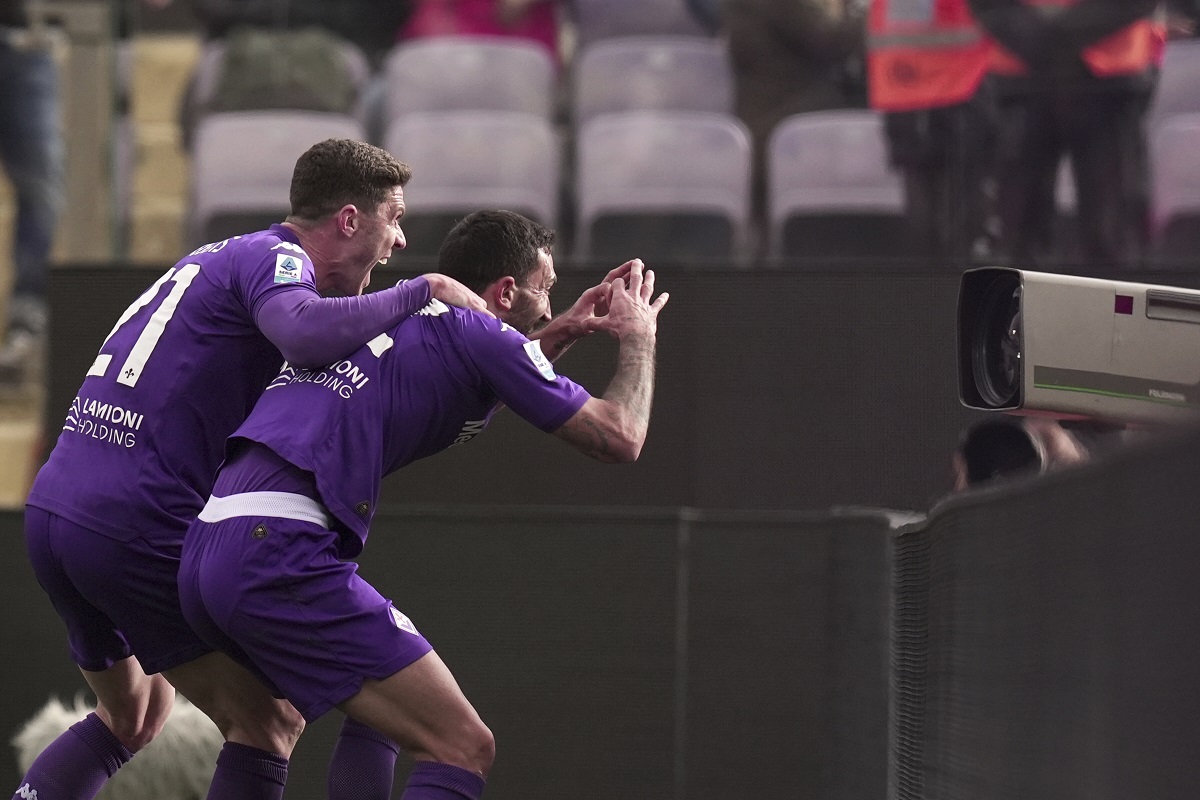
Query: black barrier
[
  {"x": 1045, "y": 637},
  {"x": 614, "y": 653}
]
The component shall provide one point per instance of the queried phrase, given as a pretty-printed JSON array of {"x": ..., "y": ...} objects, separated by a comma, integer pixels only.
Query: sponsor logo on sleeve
[
  {"x": 534, "y": 351},
  {"x": 287, "y": 268}
]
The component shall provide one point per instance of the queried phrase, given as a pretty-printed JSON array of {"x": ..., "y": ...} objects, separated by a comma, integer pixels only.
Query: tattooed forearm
[
  {"x": 633, "y": 386},
  {"x": 612, "y": 428}
]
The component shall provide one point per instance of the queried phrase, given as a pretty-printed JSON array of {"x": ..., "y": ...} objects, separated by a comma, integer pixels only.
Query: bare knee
[
  {"x": 137, "y": 718},
  {"x": 484, "y": 748},
  {"x": 473, "y": 747},
  {"x": 275, "y": 729}
]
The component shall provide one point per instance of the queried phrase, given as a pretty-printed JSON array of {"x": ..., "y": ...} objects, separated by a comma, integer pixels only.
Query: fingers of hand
[
  {"x": 657, "y": 305},
  {"x": 621, "y": 271},
  {"x": 635, "y": 279},
  {"x": 648, "y": 286}
]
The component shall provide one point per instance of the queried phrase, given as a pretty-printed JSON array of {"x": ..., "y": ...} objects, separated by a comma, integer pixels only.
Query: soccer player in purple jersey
[
  {"x": 265, "y": 574},
  {"x": 142, "y": 441}
]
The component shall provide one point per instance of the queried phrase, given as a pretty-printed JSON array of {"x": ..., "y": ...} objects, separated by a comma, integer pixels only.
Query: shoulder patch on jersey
[
  {"x": 288, "y": 268},
  {"x": 534, "y": 351},
  {"x": 434, "y": 309}
]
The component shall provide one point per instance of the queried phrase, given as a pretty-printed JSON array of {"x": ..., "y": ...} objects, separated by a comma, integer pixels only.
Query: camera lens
[{"x": 996, "y": 347}]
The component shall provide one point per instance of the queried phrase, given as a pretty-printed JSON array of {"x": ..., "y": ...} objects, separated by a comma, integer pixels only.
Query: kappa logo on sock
[
  {"x": 403, "y": 622},
  {"x": 26, "y": 793}
]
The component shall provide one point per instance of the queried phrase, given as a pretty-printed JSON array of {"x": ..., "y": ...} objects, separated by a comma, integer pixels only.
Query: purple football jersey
[
  {"x": 432, "y": 382},
  {"x": 177, "y": 374}
]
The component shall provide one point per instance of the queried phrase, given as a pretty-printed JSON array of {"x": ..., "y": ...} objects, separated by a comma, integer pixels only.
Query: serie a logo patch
[
  {"x": 534, "y": 351},
  {"x": 287, "y": 268}
]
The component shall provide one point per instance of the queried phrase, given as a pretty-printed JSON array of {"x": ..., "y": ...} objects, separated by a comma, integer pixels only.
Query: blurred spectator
[
  {"x": 789, "y": 56},
  {"x": 1074, "y": 79},
  {"x": 369, "y": 24},
  {"x": 300, "y": 41},
  {"x": 535, "y": 20},
  {"x": 33, "y": 154},
  {"x": 1010, "y": 447},
  {"x": 926, "y": 68}
]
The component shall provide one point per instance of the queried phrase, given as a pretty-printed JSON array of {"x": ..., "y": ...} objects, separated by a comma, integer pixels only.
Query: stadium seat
[
  {"x": 671, "y": 186},
  {"x": 1176, "y": 190},
  {"x": 468, "y": 160},
  {"x": 669, "y": 73},
  {"x": 830, "y": 191},
  {"x": 469, "y": 73},
  {"x": 601, "y": 19},
  {"x": 242, "y": 165},
  {"x": 1178, "y": 89}
]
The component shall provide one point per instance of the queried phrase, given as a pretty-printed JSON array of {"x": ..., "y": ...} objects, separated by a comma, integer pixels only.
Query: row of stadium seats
[
  {"x": 657, "y": 163},
  {"x": 668, "y": 184}
]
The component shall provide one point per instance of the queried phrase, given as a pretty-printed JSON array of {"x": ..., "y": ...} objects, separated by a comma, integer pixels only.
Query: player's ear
[
  {"x": 502, "y": 292},
  {"x": 347, "y": 219}
]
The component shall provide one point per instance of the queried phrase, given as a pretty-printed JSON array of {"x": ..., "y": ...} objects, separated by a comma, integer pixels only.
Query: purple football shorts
[
  {"x": 116, "y": 598},
  {"x": 272, "y": 593}
]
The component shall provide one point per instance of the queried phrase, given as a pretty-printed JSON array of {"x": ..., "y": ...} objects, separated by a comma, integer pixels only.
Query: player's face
[
  {"x": 380, "y": 233},
  {"x": 531, "y": 308}
]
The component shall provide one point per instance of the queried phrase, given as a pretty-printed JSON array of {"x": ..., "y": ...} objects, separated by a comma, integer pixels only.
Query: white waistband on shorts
[{"x": 284, "y": 505}]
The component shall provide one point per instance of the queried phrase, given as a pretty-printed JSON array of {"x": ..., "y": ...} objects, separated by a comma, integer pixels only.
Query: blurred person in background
[
  {"x": 1074, "y": 78},
  {"x": 33, "y": 154},
  {"x": 531, "y": 20},
  {"x": 304, "y": 37},
  {"x": 369, "y": 24},
  {"x": 927, "y": 64},
  {"x": 789, "y": 56},
  {"x": 1004, "y": 447}
]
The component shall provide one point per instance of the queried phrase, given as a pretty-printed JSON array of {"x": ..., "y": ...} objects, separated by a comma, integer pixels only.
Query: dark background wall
[
  {"x": 615, "y": 653},
  {"x": 799, "y": 390}
]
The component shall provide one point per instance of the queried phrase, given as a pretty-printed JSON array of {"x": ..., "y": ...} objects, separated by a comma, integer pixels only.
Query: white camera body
[{"x": 1072, "y": 347}]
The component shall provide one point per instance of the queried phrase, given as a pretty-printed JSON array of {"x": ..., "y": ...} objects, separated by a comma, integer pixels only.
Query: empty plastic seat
[
  {"x": 830, "y": 191},
  {"x": 242, "y": 165},
  {"x": 468, "y": 160},
  {"x": 469, "y": 73},
  {"x": 666, "y": 186},
  {"x": 1178, "y": 89},
  {"x": 1176, "y": 189},
  {"x": 601, "y": 19},
  {"x": 668, "y": 73}
]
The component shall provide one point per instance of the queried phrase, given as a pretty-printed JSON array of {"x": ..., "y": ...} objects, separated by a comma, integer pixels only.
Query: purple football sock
[
  {"x": 363, "y": 766},
  {"x": 247, "y": 773},
  {"x": 430, "y": 780},
  {"x": 76, "y": 764}
]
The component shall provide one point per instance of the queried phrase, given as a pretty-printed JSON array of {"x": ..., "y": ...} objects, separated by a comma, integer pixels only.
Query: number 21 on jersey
[{"x": 139, "y": 354}]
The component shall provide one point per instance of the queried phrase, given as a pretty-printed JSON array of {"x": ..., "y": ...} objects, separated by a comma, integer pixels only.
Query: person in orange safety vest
[
  {"x": 1074, "y": 79},
  {"x": 927, "y": 61}
]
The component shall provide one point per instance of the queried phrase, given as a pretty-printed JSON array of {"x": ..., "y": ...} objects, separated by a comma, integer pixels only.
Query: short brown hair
[{"x": 335, "y": 172}]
